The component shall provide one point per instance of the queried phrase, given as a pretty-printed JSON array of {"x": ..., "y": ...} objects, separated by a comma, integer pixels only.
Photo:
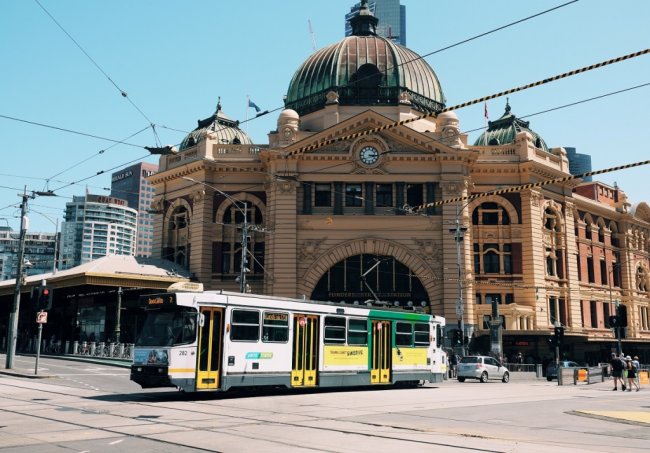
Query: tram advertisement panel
[
  {"x": 410, "y": 356},
  {"x": 345, "y": 355}
]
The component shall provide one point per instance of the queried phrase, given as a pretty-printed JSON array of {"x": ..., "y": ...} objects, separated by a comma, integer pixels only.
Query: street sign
[
  {"x": 41, "y": 317},
  {"x": 459, "y": 310}
]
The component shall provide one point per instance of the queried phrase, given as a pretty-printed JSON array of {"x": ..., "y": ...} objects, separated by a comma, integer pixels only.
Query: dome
[
  {"x": 364, "y": 69},
  {"x": 505, "y": 129},
  {"x": 223, "y": 129}
]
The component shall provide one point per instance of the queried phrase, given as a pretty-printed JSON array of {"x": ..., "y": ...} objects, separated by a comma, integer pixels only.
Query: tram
[{"x": 217, "y": 340}]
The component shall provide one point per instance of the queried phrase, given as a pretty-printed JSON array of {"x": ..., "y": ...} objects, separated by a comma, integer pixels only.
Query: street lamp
[
  {"x": 245, "y": 227},
  {"x": 56, "y": 237},
  {"x": 617, "y": 327}
]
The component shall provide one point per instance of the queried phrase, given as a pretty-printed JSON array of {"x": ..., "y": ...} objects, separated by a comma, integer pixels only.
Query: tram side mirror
[{"x": 201, "y": 319}]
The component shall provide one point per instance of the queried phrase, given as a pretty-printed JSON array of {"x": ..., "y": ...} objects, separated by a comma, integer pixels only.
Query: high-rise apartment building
[
  {"x": 391, "y": 15},
  {"x": 40, "y": 251},
  {"x": 97, "y": 226},
  {"x": 130, "y": 184}
]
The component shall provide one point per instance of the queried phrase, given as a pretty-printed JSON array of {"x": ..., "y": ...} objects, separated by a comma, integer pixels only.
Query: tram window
[
  {"x": 357, "y": 332},
  {"x": 275, "y": 328},
  {"x": 334, "y": 330},
  {"x": 438, "y": 335},
  {"x": 245, "y": 325},
  {"x": 421, "y": 334},
  {"x": 403, "y": 334}
]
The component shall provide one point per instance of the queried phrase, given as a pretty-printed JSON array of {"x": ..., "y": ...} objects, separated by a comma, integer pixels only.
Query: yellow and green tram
[{"x": 213, "y": 341}]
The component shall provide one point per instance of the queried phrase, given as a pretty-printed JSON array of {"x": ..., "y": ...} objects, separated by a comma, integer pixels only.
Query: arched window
[
  {"x": 177, "y": 241},
  {"x": 495, "y": 256},
  {"x": 553, "y": 253},
  {"x": 232, "y": 221},
  {"x": 642, "y": 283}
]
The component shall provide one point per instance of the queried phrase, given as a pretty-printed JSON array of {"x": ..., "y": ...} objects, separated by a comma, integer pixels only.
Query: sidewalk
[{"x": 28, "y": 372}]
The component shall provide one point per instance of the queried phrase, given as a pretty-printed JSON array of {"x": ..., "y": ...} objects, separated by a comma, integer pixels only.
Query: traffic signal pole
[{"x": 12, "y": 333}]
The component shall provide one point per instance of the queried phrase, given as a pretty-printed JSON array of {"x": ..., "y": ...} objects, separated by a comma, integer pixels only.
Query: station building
[{"x": 331, "y": 203}]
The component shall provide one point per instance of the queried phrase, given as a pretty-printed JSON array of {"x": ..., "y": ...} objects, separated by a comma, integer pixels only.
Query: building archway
[{"x": 401, "y": 275}]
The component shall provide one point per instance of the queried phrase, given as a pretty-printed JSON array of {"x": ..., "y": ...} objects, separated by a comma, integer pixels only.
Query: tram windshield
[{"x": 168, "y": 328}]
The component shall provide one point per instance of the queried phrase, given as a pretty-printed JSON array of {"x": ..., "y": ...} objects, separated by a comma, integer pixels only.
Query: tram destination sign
[{"x": 157, "y": 300}]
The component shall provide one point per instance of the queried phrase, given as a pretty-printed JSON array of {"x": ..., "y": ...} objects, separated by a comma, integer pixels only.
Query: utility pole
[
  {"x": 458, "y": 232},
  {"x": 12, "y": 333},
  {"x": 118, "y": 315},
  {"x": 244, "y": 249}
]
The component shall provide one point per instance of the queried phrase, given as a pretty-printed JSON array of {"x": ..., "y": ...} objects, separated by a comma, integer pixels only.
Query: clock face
[
  {"x": 288, "y": 132},
  {"x": 368, "y": 155}
]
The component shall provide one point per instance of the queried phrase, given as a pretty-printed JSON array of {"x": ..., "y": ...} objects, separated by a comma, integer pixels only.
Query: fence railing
[{"x": 102, "y": 349}]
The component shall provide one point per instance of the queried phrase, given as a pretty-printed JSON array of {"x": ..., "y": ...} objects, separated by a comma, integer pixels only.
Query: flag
[
  {"x": 252, "y": 104},
  {"x": 486, "y": 111}
]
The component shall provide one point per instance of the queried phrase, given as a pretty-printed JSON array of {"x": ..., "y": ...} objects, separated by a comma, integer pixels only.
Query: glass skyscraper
[{"x": 578, "y": 163}]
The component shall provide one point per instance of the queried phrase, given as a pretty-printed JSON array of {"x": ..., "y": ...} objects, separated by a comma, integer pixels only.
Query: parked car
[
  {"x": 482, "y": 368},
  {"x": 551, "y": 368}
]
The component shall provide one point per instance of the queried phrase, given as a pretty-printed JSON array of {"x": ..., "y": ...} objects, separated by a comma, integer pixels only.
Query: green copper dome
[
  {"x": 505, "y": 129},
  {"x": 222, "y": 129},
  {"x": 365, "y": 69}
]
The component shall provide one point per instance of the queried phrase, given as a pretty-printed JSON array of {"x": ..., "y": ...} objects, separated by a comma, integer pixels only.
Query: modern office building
[
  {"x": 391, "y": 15},
  {"x": 130, "y": 184},
  {"x": 97, "y": 226},
  {"x": 40, "y": 251},
  {"x": 359, "y": 185},
  {"x": 578, "y": 163}
]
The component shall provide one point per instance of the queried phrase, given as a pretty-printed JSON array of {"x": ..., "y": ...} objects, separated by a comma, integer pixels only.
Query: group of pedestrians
[{"x": 625, "y": 368}]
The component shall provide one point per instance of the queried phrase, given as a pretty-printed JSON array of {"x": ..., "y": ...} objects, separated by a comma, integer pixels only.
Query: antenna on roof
[{"x": 313, "y": 35}]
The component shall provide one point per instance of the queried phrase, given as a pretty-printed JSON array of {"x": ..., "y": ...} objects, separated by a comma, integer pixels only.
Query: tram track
[{"x": 230, "y": 430}]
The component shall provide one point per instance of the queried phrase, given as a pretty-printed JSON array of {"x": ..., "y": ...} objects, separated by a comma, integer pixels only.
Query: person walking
[
  {"x": 631, "y": 375},
  {"x": 617, "y": 371},
  {"x": 637, "y": 367}
]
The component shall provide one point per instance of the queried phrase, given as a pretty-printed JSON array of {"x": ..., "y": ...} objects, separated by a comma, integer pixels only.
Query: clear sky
[{"x": 175, "y": 58}]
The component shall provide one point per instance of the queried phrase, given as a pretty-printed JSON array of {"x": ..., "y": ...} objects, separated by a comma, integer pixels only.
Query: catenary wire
[{"x": 123, "y": 93}]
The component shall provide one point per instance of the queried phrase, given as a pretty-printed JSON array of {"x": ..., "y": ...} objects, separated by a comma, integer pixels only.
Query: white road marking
[{"x": 116, "y": 442}]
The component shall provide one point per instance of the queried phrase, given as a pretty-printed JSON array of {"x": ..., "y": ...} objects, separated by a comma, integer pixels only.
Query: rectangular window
[
  {"x": 594, "y": 314},
  {"x": 323, "y": 195},
  {"x": 414, "y": 194},
  {"x": 403, "y": 334},
  {"x": 357, "y": 332},
  {"x": 353, "y": 195},
  {"x": 590, "y": 269},
  {"x": 275, "y": 328},
  {"x": 384, "y": 195},
  {"x": 422, "y": 336},
  {"x": 245, "y": 325},
  {"x": 604, "y": 280},
  {"x": 334, "y": 330},
  {"x": 486, "y": 322}
]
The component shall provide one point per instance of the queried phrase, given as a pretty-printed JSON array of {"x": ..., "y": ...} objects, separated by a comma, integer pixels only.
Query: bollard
[{"x": 93, "y": 347}]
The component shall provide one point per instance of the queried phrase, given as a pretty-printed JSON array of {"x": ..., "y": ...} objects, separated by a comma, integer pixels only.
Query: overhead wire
[
  {"x": 123, "y": 93},
  {"x": 391, "y": 125}
]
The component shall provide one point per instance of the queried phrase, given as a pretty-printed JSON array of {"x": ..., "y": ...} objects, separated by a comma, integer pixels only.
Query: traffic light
[
  {"x": 456, "y": 337},
  {"x": 44, "y": 301},
  {"x": 559, "y": 335},
  {"x": 613, "y": 321},
  {"x": 621, "y": 314}
]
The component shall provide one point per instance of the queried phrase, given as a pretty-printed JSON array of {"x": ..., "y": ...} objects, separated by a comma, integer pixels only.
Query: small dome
[
  {"x": 365, "y": 69},
  {"x": 221, "y": 127},
  {"x": 288, "y": 114},
  {"x": 505, "y": 129}
]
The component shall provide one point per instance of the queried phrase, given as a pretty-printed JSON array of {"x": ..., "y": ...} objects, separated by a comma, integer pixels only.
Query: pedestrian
[
  {"x": 631, "y": 375},
  {"x": 453, "y": 362},
  {"x": 617, "y": 371},
  {"x": 637, "y": 367}
]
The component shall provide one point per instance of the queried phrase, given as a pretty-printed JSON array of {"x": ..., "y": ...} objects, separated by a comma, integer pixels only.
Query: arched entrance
[{"x": 388, "y": 278}]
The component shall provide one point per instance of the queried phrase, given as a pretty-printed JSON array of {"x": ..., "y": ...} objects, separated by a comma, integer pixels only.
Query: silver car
[{"x": 481, "y": 367}]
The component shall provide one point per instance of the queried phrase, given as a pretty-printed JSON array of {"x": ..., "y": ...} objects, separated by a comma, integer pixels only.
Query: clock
[
  {"x": 288, "y": 132},
  {"x": 369, "y": 155}
]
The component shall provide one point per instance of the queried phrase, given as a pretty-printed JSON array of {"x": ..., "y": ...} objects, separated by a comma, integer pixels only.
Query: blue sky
[{"x": 175, "y": 58}]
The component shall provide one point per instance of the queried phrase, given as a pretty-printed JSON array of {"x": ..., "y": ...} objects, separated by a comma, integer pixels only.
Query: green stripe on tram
[{"x": 396, "y": 315}]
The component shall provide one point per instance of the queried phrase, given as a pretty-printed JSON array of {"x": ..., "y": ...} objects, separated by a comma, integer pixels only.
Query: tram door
[
  {"x": 305, "y": 350},
  {"x": 381, "y": 352},
  {"x": 209, "y": 350}
]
